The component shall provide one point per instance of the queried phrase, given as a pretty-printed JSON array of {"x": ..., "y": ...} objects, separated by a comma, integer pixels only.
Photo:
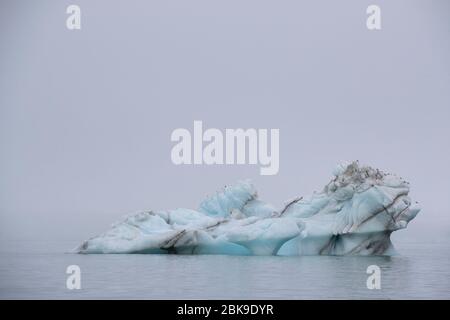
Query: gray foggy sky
[{"x": 86, "y": 116}]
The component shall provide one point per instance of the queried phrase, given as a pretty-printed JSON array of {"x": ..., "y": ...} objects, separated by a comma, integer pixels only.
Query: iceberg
[{"x": 354, "y": 214}]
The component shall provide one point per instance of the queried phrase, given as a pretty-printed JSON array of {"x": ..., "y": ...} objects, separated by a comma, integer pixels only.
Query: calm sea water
[{"x": 37, "y": 270}]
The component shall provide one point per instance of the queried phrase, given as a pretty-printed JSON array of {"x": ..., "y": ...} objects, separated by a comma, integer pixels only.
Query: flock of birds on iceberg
[{"x": 354, "y": 214}]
